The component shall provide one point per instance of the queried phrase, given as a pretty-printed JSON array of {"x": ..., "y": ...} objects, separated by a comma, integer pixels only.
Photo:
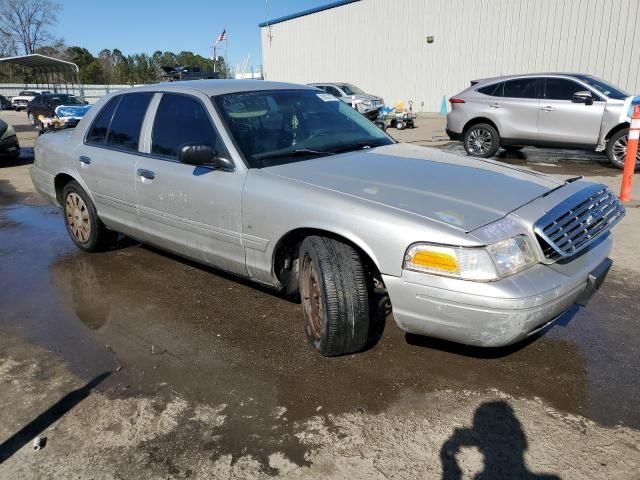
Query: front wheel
[
  {"x": 617, "y": 149},
  {"x": 334, "y": 294},
  {"x": 81, "y": 219},
  {"x": 481, "y": 140}
]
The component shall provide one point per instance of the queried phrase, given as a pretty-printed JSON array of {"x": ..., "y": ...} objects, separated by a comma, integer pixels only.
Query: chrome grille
[{"x": 576, "y": 222}]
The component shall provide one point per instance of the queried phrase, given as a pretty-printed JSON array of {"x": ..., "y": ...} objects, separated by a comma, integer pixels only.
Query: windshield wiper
[
  {"x": 296, "y": 152},
  {"x": 357, "y": 146}
]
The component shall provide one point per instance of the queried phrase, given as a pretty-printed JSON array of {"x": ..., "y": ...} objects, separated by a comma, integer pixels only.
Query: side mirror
[
  {"x": 201, "y": 154},
  {"x": 583, "y": 97}
]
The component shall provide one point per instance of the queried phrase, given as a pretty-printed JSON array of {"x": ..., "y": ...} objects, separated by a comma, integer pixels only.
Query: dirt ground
[{"x": 136, "y": 364}]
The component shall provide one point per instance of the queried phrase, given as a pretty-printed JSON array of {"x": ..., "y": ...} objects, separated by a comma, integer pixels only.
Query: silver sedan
[{"x": 289, "y": 187}]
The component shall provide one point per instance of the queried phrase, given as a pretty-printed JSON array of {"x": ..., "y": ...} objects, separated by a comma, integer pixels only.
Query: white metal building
[{"x": 422, "y": 50}]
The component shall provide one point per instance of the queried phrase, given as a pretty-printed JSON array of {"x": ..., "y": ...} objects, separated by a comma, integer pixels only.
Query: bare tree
[{"x": 24, "y": 24}]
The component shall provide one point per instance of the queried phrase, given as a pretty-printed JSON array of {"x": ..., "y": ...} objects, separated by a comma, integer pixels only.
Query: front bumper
[{"x": 492, "y": 314}]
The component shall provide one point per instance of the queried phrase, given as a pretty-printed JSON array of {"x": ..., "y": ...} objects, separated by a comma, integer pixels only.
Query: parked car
[
  {"x": 546, "y": 110},
  {"x": 367, "y": 104},
  {"x": 5, "y": 103},
  {"x": 9, "y": 146},
  {"x": 20, "y": 101},
  {"x": 47, "y": 103},
  {"x": 291, "y": 188}
]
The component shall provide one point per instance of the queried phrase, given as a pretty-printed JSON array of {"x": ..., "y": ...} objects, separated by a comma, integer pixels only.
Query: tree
[{"x": 25, "y": 24}]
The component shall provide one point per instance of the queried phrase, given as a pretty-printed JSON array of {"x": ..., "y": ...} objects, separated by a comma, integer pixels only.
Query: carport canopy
[
  {"x": 47, "y": 70},
  {"x": 42, "y": 64}
]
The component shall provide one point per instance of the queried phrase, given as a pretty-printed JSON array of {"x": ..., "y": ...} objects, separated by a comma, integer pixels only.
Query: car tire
[
  {"x": 81, "y": 219},
  {"x": 512, "y": 148},
  {"x": 334, "y": 296},
  {"x": 32, "y": 118},
  {"x": 617, "y": 148},
  {"x": 400, "y": 125},
  {"x": 481, "y": 140}
]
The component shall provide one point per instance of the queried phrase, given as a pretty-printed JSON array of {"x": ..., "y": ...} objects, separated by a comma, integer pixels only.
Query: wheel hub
[
  {"x": 312, "y": 297},
  {"x": 77, "y": 216}
]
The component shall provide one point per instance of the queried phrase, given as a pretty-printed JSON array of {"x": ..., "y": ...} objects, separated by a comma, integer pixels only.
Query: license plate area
[{"x": 594, "y": 281}]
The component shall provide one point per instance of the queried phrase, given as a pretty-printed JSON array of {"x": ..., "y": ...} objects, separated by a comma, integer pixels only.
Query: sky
[{"x": 144, "y": 26}]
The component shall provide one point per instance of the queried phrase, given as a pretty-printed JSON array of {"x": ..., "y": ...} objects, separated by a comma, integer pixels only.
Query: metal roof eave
[
  {"x": 37, "y": 61},
  {"x": 306, "y": 12}
]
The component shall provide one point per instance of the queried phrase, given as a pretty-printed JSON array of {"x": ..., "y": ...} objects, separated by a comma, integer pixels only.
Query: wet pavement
[
  {"x": 215, "y": 338},
  {"x": 166, "y": 327}
]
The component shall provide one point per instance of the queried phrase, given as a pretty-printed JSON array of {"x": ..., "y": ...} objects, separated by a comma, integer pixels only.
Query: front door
[
  {"x": 565, "y": 122},
  {"x": 194, "y": 211}
]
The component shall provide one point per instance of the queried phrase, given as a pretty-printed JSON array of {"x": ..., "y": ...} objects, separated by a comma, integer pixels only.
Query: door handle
[
  {"x": 84, "y": 159},
  {"x": 495, "y": 105},
  {"x": 548, "y": 109},
  {"x": 148, "y": 174}
]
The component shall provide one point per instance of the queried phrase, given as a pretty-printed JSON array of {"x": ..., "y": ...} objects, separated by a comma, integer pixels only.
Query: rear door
[
  {"x": 516, "y": 109},
  {"x": 194, "y": 211},
  {"x": 566, "y": 122},
  {"x": 107, "y": 160}
]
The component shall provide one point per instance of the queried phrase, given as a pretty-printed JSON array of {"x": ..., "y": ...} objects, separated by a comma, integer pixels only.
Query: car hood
[
  {"x": 463, "y": 192},
  {"x": 366, "y": 96}
]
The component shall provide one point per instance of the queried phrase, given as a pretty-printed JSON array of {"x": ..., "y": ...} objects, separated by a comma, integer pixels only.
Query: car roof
[
  {"x": 219, "y": 87},
  {"x": 330, "y": 83},
  {"x": 528, "y": 75}
]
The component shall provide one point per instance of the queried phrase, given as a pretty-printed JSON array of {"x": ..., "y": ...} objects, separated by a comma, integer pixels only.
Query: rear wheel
[
  {"x": 334, "y": 294},
  {"x": 617, "y": 149},
  {"x": 81, "y": 219},
  {"x": 481, "y": 140}
]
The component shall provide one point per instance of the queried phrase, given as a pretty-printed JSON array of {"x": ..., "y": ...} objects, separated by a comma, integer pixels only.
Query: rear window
[
  {"x": 523, "y": 88},
  {"x": 98, "y": 133},
  {"x": 493, "y": 90},
  {"x": 124, "y": 131}
]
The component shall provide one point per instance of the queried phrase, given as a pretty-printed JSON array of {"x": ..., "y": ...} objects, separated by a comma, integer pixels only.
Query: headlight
[
  {"x": 366, "y": 102},
  {"x": 483, "y": 264}
]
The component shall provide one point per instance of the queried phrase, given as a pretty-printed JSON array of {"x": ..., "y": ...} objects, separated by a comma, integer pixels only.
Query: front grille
[
  {"x": 375, "y": 103},
  {"x": 575, "y": 223}
]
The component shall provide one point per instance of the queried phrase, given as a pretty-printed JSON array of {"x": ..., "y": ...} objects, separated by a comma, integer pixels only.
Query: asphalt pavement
[{"x": 134, "y": 363}]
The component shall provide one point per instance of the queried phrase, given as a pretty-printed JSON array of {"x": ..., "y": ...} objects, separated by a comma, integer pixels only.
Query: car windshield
[
  {"x": 604, "y": 87},
  {"x": 27, "y": 93},
  {"x": 64, "y": 100},
  {"x": 280, "y": 126},
  {"x": 350, "y": 89}
]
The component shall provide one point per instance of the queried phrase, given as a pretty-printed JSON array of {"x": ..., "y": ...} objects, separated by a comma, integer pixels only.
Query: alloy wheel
[
  {"x": 620, "y": 150},
  {"x": 479, "y": 141}
]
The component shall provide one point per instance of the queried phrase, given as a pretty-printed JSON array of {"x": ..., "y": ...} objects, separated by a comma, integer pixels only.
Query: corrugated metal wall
[
  {"x": 380, "y": 45},
  {"x": 92, "y": 93}
]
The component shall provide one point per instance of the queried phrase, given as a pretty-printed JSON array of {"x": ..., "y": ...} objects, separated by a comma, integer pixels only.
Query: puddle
[{"x": 175, "y": 327}]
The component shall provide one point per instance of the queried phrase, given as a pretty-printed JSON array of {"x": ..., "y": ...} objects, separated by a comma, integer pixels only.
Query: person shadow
[{"x": 498, "y": 435}]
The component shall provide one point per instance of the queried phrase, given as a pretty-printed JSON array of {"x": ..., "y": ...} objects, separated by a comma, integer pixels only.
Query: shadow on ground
[{"x": 498, "y": 435}]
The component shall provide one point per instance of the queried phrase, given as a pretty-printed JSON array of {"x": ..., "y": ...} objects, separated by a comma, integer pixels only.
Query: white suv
[{"x": 557, "y": 110}]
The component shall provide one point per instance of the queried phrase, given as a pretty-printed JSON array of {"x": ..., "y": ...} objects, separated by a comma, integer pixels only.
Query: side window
[
  {"x": 124, "y": 131},
  {"x": 494, "y": 90},
  {"x": 334, "y": 91},
  {"x": 98, "y": 133},
  {"x": 37, "y": 100},
  {"x": 561, "y": 89},
  {"x": 181, "y": 120},
  {"x": 523, "y": 88}
]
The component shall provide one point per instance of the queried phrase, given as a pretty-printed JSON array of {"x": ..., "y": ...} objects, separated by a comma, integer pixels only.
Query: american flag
[{"x": 223, "y": 36}]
